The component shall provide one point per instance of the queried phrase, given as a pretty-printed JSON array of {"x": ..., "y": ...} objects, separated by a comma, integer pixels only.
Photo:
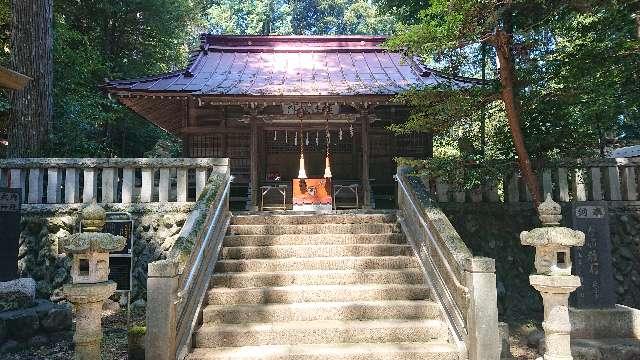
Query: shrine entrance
[{"x": 239, "y": 95}]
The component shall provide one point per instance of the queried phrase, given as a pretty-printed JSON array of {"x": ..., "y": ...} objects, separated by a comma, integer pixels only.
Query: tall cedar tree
[{"x": 31, "y": 54}]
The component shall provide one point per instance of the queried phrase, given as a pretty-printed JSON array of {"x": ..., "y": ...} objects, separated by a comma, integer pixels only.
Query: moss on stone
[{"x": 137, "y": 330}]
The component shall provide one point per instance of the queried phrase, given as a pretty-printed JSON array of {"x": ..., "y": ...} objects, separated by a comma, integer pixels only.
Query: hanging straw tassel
[
  {"x": 327, "y": 167},
  {"x": 302, "y": 173}
]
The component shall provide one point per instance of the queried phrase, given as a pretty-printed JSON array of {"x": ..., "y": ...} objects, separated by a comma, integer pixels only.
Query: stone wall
[
  {"x": 493, "y": 230},
  {"x": 625, "y": 241},
  {"x": 156, "y": 227}
]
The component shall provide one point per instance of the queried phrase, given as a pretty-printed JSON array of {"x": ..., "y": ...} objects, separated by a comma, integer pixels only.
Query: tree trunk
[
  {"x": 507, "y": 80},
  {"x": 32, "y": 55},
  {"x": 637, "y": 17}
]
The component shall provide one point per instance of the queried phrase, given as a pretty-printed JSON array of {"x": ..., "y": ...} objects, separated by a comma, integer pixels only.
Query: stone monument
[
  {"x": 10, "y": 224},
  {"x": 553, "y": 277},
  {"x": 90, "y": 284}
]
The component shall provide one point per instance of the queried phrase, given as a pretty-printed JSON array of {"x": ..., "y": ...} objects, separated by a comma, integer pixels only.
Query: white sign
[{"x": 590, "y": 212}]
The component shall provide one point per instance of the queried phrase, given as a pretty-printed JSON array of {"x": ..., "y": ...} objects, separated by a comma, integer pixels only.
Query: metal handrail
[
  {"x": 435, "y": 244},
  {"x": 198, "y": 260}
]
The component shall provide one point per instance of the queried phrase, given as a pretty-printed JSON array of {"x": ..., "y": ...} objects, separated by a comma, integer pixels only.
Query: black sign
[
  {"x": 123, "y": 228},
  {"x": 592, "y": 262},
  {"x": 120, "y": 271},
  {"x": 118, "y": 223},
  {"x": 10, "y": 233}
]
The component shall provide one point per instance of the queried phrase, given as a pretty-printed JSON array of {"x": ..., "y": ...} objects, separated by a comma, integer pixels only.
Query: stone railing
[
  {"x": 176, "y": 286},
  {"x": 464, "y": 284},
  {"x": 141, "y": 180},
  {"x": 580, "y": 180}
]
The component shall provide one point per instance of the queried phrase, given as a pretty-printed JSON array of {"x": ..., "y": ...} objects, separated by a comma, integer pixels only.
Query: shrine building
[{"x": 261, "y": 101}]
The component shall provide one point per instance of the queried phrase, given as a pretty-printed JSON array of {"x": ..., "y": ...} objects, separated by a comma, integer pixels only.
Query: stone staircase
[{"x": 341, "y": 286}]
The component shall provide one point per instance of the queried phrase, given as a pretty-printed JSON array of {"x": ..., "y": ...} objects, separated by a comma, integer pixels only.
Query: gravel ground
[{"x": 114, "y": 343}]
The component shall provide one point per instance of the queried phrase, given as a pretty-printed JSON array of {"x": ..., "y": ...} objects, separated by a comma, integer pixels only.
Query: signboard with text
[{"x": 592, "y": 262}]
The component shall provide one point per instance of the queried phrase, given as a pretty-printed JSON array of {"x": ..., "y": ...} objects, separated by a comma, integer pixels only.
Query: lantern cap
[
  {"x": 93, "y": 217},
  {"x": 550, "y": 212}
]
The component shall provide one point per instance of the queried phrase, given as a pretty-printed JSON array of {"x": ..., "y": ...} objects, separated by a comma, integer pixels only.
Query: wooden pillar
[
  {"x": 254, "y": 158},
  {"x": 355, "y": 169},
  {"x": 366, "y": 188}
]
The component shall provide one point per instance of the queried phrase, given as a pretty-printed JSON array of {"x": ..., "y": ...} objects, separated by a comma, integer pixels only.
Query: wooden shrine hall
[{"x": 262, "y": 101}]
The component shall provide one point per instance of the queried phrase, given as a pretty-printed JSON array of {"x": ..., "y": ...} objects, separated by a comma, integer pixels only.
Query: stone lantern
[
  {"x": 553, "y": 277},
  {"x": 89, "y": 272}
]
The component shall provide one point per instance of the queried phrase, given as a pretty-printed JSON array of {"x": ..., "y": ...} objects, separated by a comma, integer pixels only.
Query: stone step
[
  {"x": 326, "y": 263},
  {"x": 317, "y": 277},
  {"x": 305, "y": 229},
  {"x": 314, "y": 239},
  {"x": 320, "y": 332},
  {"x": 316, "y": 293},
  {"x": 358, "y": 310},
  {"x": 285, "y": 219},
  {"x": 361, "y": 351},
  {"x": 308, "y": 251}
]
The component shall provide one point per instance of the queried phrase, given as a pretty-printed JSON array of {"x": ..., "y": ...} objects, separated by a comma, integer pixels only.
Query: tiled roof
[{"x": 291, "y": 65}]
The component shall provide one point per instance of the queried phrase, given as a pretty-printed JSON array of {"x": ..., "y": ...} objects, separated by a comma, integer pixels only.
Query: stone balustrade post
[
  {"x": 181, "y": 185},
  {"x": 127, "y": 185},
  {"x": 54, "y": 186},
  {"x": 164, "y": 185},
  {"x": 482, "y": 313},
  {"x": 161, "y": 321},
  {"x": 201, "y": 180},
  {"x": 16, "y": 181},
  {"x": 71, "y": 186},
  {"x": 109, "y": 185},
  {"x": 147, "y": 185},
  {"x": 89, "y": 191},
  {"x": 36, "y": 185}
]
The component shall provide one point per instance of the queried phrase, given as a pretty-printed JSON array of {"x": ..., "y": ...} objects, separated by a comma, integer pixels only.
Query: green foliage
[
  {"x": 460, "y": 173},
  {"x": 302, "y": 17},
  {"x": 578, "y": 82},
  {"x": 95, "y": 40},
  {"x": 98, "y": 40}
]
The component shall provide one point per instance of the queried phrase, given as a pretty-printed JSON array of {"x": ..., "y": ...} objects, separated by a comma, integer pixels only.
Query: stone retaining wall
[
  {"x": 493, "y": 230},
  {"x": 156, "y": 227},
  {"x": 625, "y": 241}
]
